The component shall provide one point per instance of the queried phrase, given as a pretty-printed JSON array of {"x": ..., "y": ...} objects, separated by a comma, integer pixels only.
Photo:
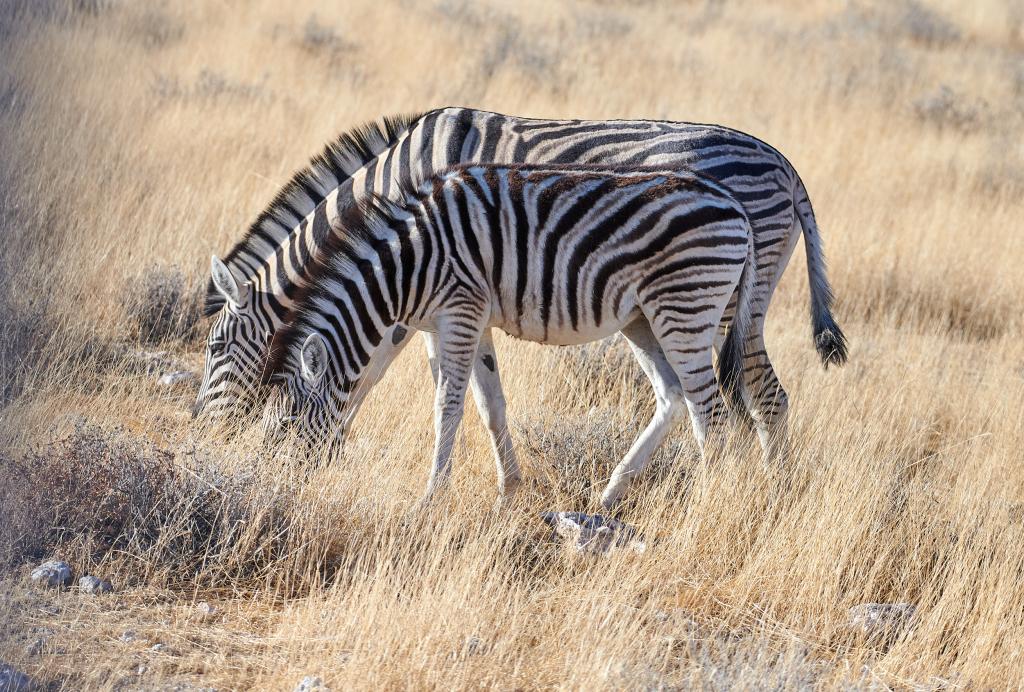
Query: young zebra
[
  {"x": 552, "y": 254},
  {"x": 252, "y": 290}
]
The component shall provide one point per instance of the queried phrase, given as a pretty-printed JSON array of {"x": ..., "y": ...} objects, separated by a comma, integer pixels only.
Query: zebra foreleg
[
  {"x": 489, "y": 398},
  {"x": 457, "y": 341},
  {"x": 670, "y": 407},
  {"x": 490, "y": 403}
]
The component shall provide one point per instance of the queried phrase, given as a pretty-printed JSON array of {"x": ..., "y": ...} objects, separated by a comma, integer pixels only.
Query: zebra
[
  {"x": 253, "y": 289},
  {"x": 552, "y": 254}
]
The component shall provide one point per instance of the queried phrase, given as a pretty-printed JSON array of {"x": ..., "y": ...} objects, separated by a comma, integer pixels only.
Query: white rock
[
  {"x": 12, "y": 680},
  {"x": 171, "y": 379},
  {"x": 158, "y": 647},
  {"x": 594, "y": 533},
  {"x": 52, "y": 573},
  {"x": 311, "y": 683},
  {"x": 129, "y": 636},
  {"x": 94, "y": 585},
  {"x": 882, "y": 620},
  {"x": 205, "y": 610}
]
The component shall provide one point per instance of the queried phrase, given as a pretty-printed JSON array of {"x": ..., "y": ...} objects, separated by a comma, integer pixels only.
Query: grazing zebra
[
  {"x": 252, "y": 290},
  {"x": 551, "y": 254}
]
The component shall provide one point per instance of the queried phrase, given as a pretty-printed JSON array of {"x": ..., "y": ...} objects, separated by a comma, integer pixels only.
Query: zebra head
[
  {"x": 308, "y": 396},
  {"x": 235, "y": 350}
]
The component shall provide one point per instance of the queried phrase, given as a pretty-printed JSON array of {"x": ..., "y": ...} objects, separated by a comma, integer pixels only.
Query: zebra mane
[
  {"x": 361, "y": 223},
  {"x": 308, "y": 186}
]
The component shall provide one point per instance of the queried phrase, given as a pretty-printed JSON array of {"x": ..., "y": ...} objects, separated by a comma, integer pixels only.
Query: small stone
[
  {"x": 882, "y": 621},
  {"x": 52, "y": 573},
  {"x": 129, "y": 636},
  {"x": 593, "y": 533},
  {"x": 171, "y": 379},
  {"x": 34, "y": 648},
  {"x": 205, "y": 610},
  {"x": 13, "y": 680},
  {"x": 141, "y": 669},
  {"x": 94, "y": 585},
  {"x": 158, "y": 648},
  {"x": 311, "y": 683}
]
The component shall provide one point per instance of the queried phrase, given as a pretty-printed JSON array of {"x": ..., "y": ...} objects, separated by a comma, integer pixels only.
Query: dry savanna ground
[{"x": 136, "y": 138}]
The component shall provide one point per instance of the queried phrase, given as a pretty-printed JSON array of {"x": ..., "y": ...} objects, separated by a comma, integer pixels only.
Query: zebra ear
[
  {"x": 225, "y": 281},
  {"x": 314, "y": 358}
]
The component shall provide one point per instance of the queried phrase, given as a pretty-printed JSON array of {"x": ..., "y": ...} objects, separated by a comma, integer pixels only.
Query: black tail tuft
[{"x": 830, "y": 342}]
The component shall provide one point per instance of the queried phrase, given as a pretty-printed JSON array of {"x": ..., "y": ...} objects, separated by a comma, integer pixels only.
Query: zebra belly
[{"x": 530, "y": 327}]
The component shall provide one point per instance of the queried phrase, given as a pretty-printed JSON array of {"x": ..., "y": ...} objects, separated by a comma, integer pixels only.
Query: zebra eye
[{"x": 217, "y": 346}]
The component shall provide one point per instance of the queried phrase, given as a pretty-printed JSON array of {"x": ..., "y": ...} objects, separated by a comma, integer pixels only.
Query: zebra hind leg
[
  {"x": 688, "y": 347},
  {"x": 767, "y": 400},
  {"x": 744, "y": 416},
  {"x": 670, "y": 407}
]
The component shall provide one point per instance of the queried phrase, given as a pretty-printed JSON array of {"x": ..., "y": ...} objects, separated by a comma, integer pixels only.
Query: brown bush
[{"x": 161, "y": 304}]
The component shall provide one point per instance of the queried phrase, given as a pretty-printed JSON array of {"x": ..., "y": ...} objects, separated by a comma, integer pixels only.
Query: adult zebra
[
  {"x": 253, "y": 289},
  {"x": 552, "y": 254}
]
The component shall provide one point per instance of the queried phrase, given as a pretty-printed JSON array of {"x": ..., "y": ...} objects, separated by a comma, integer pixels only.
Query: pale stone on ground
[
  {"x": 52, "y": 573},
  {"x": 174, "y": 378},
  {"x": 205, "y": 610},
  {"x": 594, "y": 533},
  {"x": 882, "y": 620},
  {"x": 94, "y": 585},
  {"x": 312, "y": 683}
]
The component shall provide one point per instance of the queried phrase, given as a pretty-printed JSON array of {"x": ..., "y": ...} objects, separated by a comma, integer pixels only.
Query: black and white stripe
[
  {"x": 551, "y": 254},
  {"x": 759, "y": 176}
]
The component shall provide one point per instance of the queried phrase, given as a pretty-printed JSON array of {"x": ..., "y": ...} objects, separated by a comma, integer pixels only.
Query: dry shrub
[
  {"x": 577, "y": 455},
  {"x": 927, "y": 26},
  {"x": 162, "y": 304},
  {"x": 946, "y": 108},
  {"x": 105, "y": 494},
  {"x": 86, "y": 487}
]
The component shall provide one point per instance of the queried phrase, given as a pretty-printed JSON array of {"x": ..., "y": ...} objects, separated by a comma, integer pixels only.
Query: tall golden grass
[{"x": 137, "y": 136}]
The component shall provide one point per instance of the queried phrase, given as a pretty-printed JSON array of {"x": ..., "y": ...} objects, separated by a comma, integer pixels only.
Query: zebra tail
[
  {"x": 730, "y": 359},
  {"x": 829, "y": 339}
]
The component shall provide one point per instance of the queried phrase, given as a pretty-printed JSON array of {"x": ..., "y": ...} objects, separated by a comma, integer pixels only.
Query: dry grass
[{"x": 137, "y": 137}]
